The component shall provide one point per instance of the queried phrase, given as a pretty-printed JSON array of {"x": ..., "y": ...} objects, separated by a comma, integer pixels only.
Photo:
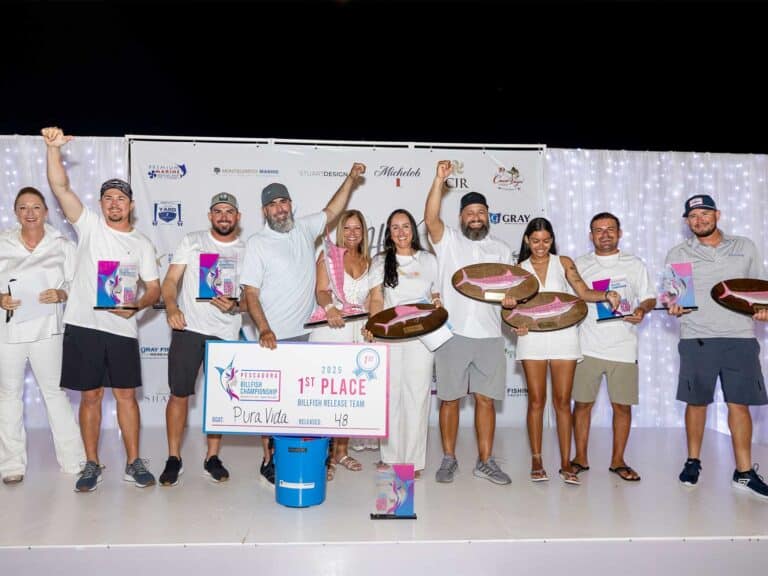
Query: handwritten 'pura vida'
[{"x": 264, "y": 416}]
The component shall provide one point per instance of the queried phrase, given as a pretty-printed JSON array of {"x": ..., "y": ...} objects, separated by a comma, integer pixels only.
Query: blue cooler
[{"x": 300, "y": 470}]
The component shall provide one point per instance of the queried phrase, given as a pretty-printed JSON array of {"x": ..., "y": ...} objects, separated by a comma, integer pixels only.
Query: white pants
[
  {"x": 45, "y": 359},
  {"x": 410, "y": 377}
]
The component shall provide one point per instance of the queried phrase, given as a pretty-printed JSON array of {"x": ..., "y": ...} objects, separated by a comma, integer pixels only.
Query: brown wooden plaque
[
  {"x": 743, "y": 295},
  {"x": 547, "y": 311},
  {"x": 406, "y": 321},
  {"x": 489, "y": 282}
]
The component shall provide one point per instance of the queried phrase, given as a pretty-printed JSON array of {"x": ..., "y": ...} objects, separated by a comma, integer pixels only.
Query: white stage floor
[{"x": 45, "y": 515}]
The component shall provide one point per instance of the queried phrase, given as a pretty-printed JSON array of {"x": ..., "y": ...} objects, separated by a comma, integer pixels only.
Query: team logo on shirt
[{"x": 167, "y": 213}]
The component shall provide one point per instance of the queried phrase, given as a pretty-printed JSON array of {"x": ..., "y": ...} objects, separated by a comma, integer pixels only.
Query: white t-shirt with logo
[
  {"x": 416, "y": 278},
  {"x": 282, "y": 266},
  {"x": 203, "y": 317},
  {"x": 53, "y": 258},
  {"x": 468, "y": 317},
  {"x": 97, "y": 241},
  {"x": 613, "y": 340}
]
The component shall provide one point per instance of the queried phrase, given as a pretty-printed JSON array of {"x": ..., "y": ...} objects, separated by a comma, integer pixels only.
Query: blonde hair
[{"x": 363, "y": 247}]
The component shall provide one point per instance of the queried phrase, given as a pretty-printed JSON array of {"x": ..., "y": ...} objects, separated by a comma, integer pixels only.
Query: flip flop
[
  {"x": 539, "y": 475},
  {"x": 623, "y": 471},
  {"x": 570, "y": 478},
  {"x": 350, "y": 463},
  {"x": 330, "y": 471},
  {"x": 578, "y": 468}
]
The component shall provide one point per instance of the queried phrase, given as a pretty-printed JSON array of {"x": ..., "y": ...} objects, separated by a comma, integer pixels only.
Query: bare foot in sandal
[
  {"x": 349, "y": 463},
  {"x": 330, "y": 471}
]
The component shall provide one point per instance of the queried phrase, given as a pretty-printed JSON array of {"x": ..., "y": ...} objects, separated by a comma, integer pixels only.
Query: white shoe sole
[{"x": 747, "y": 489}]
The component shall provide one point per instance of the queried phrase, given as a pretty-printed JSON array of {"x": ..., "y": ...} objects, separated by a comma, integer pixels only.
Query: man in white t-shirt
[
  {"x": 610, "y": 346},
  {"x": 204, "y": 307},
  {"x": 101, "y": 346},
  {"x": 473, "y": 360},
  {"x": 279, "y": 271}
]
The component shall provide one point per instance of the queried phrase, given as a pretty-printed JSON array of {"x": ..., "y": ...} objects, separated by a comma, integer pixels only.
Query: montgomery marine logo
[
  {"x": 167, "y": 213},
  {"x": 507, "y": 179},
  {"x": 218, "y": 171},
  {"x": 166, "y": 171}
]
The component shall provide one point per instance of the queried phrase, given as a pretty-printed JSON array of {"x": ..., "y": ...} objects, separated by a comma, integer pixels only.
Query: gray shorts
[
  {"x": 735, "y": 360},
  {"x": 185, "y": 356},
  {"x": 471, "y": 365},
  {"x": 620, "y": 377}
]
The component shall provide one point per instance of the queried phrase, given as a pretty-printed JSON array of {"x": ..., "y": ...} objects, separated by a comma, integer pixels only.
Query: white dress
[
  {"x": 355, "y": 291},
  {"x": 557, "y": 344}
]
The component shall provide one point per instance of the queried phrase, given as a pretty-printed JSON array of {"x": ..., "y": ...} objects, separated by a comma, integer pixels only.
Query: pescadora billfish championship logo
[{"x": 228, "y": 379}]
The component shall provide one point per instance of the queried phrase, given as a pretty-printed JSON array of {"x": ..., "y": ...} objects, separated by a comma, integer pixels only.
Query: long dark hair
[
  {"x": 536, "y": 225},
  {"x": 390, "y": 250}
]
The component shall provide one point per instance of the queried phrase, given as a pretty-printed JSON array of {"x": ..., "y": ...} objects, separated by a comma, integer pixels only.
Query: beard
[
  {"x": 475, "y": 233},
  {"x": 283, "y": 226},
  {"x": 224, "y": 229},
  {"x": 705, "y": 232}
]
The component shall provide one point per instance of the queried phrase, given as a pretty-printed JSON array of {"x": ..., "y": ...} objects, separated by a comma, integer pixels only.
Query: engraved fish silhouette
[
  {"x": 402, "y": 315},
  {"x": 753, "y": 297},
  {"x": 112, "y": 286},
  {"x": 554, "y": 308},
  {"x": 213, "y": 280},
  {"x": 499, "y": 282}
]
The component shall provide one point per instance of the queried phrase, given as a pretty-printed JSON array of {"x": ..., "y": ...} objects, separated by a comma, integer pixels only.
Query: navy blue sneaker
[
  {"x": 215, "y": 469},
  {"x": 268, "y": 470},
  {"x": 690, "y": 474},
  {"x": 751, "y": 481}
]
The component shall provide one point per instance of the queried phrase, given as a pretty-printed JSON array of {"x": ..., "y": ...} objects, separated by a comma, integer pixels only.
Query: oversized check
[{"x": 299, "y": 388}]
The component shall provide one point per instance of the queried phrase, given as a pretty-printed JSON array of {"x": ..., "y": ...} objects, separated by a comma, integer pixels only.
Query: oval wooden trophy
[
  {"x": 547, "y": 311},
  {"x": 489, "y": 282},
  {"x": 743, "y": 295},
  {"x": 406, "y": 321}
]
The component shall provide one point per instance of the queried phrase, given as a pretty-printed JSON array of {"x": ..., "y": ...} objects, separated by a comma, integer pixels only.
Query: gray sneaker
[
  {"x": 447, "y": 469},
  {"x": 137, "y": 473},
  {"x": 89, "y": 477},
  {"x": 491, "y": 471}
]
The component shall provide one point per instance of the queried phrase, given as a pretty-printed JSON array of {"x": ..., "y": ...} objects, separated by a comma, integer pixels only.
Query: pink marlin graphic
[
  {"x": 499, "y": 282},
  {"x": 334, "y": 265},
  {"x": 756, "y": 297},
  {"x": 109, "y": 283},
  {"x": 228, "y": 379},
  {"x": 554, "y": 308},
  {"x": 402, "y": 315}
]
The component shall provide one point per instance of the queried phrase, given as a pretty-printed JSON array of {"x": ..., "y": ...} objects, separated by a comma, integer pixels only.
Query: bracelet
[{"x": 329, "y": 306}]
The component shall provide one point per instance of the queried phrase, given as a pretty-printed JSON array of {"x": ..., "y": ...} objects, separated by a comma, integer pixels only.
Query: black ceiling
[{"x": 619, "y": 75}]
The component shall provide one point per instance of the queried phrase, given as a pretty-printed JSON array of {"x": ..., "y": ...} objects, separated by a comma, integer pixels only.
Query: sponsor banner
[
  {"x": 176, "y": 201},
  {"x": 296, "y": 389}
]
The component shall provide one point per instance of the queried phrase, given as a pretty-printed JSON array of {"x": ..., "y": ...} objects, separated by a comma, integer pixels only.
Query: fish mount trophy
[
  {"x": 547, "y": 311},
  {"x": 406, "y": 321},
  {"x": 490, "y": 282},
  {"x": 742, "y": 295}
]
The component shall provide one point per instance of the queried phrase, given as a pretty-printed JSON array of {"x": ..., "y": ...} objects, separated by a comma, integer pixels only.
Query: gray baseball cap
[
  {"x": 273, "y": 192},
  {"x": 224, "y": 198}
]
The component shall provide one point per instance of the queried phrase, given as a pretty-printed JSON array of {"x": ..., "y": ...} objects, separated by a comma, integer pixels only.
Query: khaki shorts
[{"x": 621, "y": 378}]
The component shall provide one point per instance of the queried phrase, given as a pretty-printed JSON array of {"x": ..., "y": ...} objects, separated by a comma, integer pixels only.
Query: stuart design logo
[
  {"x": 167, "y": 171},
  {"x": 457, "y": 181},
  {"x": 167, "y": 213},
  {"x": 507, "y": 178}
]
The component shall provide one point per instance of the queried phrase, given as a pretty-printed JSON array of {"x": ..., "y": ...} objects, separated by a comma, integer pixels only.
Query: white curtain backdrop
[{"x": 645, "y": 189}]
